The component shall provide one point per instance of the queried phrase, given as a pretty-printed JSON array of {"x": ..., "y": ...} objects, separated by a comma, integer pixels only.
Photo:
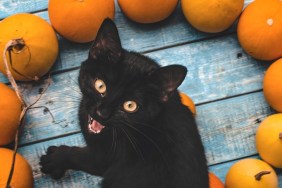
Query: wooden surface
[{"x": 224, "y": 82}]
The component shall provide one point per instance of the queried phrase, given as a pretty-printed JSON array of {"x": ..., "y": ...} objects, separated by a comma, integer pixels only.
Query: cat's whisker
[
  {"x": 67, "y": 101},
  {"x": 72, "y": 97},
  {"x": 114, "y": 140},
  {"x": 133, "y": 143},
  {"x": 155, "y": 129},
  {"x": 112, "y": 150},
  {"x": 160, "y": 131},
  {"x": 149, "y": 139},
  {"x": 74, "y": 81},
  {"x": 72, "y": 86},
  {"x": 76, "y": 89},
  {"x": 69, "y": 94}
]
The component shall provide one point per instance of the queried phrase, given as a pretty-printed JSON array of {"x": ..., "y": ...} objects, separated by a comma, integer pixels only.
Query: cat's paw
[{"x": 55, "y": 162}]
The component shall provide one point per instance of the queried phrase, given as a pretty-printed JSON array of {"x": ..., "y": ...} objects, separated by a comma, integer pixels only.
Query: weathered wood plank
[
  {"x": 62, "y": 105},
  {"x": 228, "y": 127},
  {"x": 138, "y": 37},
  {"x": 72, "y": 179},
  {"x": 9, "y": 7}
]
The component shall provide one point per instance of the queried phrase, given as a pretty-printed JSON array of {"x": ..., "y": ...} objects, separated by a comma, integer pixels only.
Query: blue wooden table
[{"x": 223, "y": 81}]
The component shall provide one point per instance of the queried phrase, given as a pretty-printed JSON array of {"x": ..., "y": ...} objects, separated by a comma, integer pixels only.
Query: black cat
[{"x": 138, "y": 133}]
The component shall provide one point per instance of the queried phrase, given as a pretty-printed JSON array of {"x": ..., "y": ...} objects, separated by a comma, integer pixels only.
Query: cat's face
[{"x": 123, "y": 89}]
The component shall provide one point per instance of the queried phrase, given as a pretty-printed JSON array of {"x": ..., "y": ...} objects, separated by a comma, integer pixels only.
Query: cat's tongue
[{"x": 94, "y": 126}]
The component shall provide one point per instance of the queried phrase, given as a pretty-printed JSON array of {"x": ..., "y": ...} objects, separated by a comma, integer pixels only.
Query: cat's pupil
[
  {"x": 100, "y": 86},
  {"x": 130, "y": 106}
]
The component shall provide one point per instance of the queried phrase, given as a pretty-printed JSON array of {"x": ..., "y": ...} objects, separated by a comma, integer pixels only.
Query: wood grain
[
  {"x": 228, "y": 127},
  {"x": 72, "y": 179},
  {"x": 9, "y": 7}
]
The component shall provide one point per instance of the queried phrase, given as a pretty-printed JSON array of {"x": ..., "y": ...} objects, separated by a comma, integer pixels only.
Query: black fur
[{"x": 158, "y": 146}]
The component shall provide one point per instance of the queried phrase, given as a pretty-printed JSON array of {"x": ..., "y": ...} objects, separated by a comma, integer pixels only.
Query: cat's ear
[
  {"x": 168, "y": 78},
  {"x": 107, "y": 41}
]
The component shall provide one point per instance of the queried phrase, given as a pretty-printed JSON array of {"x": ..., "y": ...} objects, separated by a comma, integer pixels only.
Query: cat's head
[{"x": 121, "y": 88}]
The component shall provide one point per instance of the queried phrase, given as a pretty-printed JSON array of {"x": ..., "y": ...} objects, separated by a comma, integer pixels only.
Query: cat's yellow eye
[
  {"x": 100, "y": 86},
  {"x": 130, "y": 106}
]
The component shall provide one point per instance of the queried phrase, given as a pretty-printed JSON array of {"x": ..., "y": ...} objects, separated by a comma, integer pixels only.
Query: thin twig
[{"x": 41, "y": 94}]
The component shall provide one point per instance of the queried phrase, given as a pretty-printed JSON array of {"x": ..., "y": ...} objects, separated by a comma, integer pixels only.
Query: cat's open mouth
[{"x": 94, "y": 126}]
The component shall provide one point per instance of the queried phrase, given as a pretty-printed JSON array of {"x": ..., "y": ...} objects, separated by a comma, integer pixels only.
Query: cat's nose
[{"x": 103, "y": 114}]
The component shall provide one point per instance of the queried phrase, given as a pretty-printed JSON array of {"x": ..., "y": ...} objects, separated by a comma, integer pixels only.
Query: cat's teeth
[
  {"x": 97, "y": 132},
  {"x": 90, "y": 120}
]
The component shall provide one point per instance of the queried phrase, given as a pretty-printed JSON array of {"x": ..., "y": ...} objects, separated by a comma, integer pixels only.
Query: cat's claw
[{"x": 54, "y": 162}]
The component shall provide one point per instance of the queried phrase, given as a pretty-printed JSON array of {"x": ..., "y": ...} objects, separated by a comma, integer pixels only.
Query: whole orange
[
  {"x": 38, "y": 51},
  {"x": 10, "y": 110},
  {"x": 251, "y": 173},
  {"x": 187, "y": 101},
  {"x": 215, "y": 182},
  {"x": 272, "y": 85},
  {"x": 147, "y": 11},
  {"x": 269, "y": 140},
  {"x": 211, "y": 16},
  {"x": 259, "y": 29},
  {"x": 79, "y": 20},
  {"x": 22, "y": 176}
]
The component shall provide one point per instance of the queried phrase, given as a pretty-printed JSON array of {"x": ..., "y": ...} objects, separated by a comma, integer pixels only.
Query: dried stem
[
  {"x": 260, "y": 174},
  {"x": 280, "y": 136},
  {"x": 9, "y": 46}
]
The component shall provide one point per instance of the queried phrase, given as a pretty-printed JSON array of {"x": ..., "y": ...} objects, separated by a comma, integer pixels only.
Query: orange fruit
[
  {"x": 22, "y": 176},
  {"x": 79, "y": 21},
  {"x": 211, "y": 16},
  {"x": 10, "y": 110},
  {"x": 251, "y": 173},
  {"x": 269, "y": 140},
  {"x": 272, "y": 85},
  {"x": 187, "y": 101},
  {"x": 147, "y": 11},
  {"x": 215, "y": 182},
  {"x": 39, "y": 51},
  {"x": 259, "y": 29}
]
